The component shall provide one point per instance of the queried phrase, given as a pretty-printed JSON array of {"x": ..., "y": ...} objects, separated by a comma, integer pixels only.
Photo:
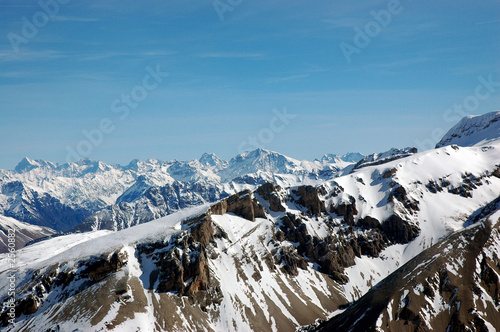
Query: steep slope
[
  {"x": 22, "y": 232},
  {"x": 19, "y": 201},
  {"x": 453, "y": 286},
  {"x": 472, "y": 130}
]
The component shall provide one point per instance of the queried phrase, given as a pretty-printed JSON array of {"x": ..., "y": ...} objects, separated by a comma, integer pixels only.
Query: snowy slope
[
  {"x": 269, "y": 298},
  {"x": 473, "y": 129},
  {"x": 451, "y": 286},
  {"x": 23, "y": 232},
  {"x": 442, "y": 189}
]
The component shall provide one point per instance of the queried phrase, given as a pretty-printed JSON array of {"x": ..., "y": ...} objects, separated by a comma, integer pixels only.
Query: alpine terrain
[{"x": 394, "y": 241}]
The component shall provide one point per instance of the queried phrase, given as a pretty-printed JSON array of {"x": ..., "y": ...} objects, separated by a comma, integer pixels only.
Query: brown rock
[
  {"x": 368, "y": 223},
  {"x": 308, "y": 197},
  {"x": 399, "y": 230},
  {"x": 101, "y": 267},
  {"x": 269, "y": 192},
  {"x": 201, "y": 228},
  {"x": 347, "y": 210},
  {"x": 27, "y": 306}
]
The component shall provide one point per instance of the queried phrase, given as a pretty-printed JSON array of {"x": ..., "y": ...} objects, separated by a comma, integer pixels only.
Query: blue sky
[{"x": 226, "y": 76}]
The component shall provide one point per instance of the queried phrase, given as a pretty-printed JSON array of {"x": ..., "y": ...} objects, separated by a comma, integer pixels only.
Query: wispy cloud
[
  {"x": 230, "y": 55},
  {"x": 344, "y": 22},
  {"x": 73, "y": 19},
  {"x": 286, "y": 78},
  {"x": 488, "y": 22},
  {"x": 16, "y": 74},
  {"x": 390, "y": 67},
  {"x": 9, "y": 56},
  {"x": 107, "y": 55}
]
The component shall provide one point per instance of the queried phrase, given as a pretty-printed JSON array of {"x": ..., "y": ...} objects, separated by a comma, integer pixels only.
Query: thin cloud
[
  {"x": 107, "y": 55},
  {"x": 230, "y": 55},
  {"x": 73, "y": 19},
  {"x": 6, "y": 56},
  {"x": 286, "y": 78},
  {"x": 346, "y": 22},
  {"x": 488, "y": 22}
]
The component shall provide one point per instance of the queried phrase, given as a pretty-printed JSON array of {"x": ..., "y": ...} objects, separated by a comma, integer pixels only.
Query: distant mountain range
[
  {"x": 393, "y": 241},
  {"x": 61, "y": 197}
]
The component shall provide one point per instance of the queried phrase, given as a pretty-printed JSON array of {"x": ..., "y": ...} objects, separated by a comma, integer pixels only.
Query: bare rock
[
  {"x": 399, "y": 230},
  {"x": 241, "y": 204},
  {"x": 347, "y": 210},
  {"x": 201, "y": 228},
  {"x": 269, "y": 192},
  {"x": 308, "y": 197},
  {"x": 368, "y": 223},
  {"x": 100, "y": 267}
]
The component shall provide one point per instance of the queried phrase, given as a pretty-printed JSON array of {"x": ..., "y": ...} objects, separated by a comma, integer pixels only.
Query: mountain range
[{"x": 393, "y": 241}]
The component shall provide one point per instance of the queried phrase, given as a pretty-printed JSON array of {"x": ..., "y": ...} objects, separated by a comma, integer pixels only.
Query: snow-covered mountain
[
  {"x": 384, "y": 157},
  {"x": 278, "y": 257},
  {"x": 63, "y": 196},
  {"x": 143, "y": 202},
  {"x": 472, "y": 130},
  {"x": 352, "y": 157}
]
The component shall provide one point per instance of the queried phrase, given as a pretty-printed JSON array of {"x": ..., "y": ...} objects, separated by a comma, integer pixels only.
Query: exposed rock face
[
  {"x": 184, "y": 268},
  {"x": 201, "y": 228},
  {"x": 242, "y": 204},
  {"x": 27, "y": 306},
  {"x": 399, "y": 230},
  {"x": 333, "y": 253},
  {"x": 99, "y": 267},
  {"x": 308, "y": 197},
  {"x": 368, "y": 223},
  {"x": 40, "y": 209},
  {"x": 291, "y": 260},
  {"x": 89, "y": 272},
  {"x": 399, "y": 193},
  {"x": 182, "y": 262},
  {"x": 269, "y": 192},
  {"x": 347, "y": 210},
  {"x": 384, "y": 157}
]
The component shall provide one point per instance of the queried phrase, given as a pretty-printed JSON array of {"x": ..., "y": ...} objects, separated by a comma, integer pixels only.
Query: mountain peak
[
  {"x": 210, "y": 159},
  {"x": 472, "y": 130},
  {"x": 27, "y": 164},
  {"x": 351, "y": 157}
]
